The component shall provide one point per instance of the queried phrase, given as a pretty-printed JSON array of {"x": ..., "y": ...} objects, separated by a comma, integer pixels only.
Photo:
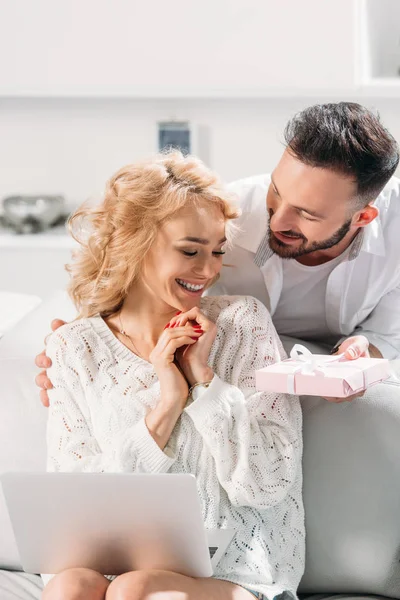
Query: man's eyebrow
[
  {"x": 306, "y": 210},
  {"x": 201, "y": 241},
  {"x": 276, "y": 189}
]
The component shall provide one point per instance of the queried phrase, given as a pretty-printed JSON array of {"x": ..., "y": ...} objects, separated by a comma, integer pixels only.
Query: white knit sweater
[{"x": 243, "y": 446}]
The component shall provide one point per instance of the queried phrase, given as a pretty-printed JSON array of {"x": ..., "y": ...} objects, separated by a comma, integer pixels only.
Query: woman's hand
[
  {"x": 193, "y": 359},
  {"x": 174, "y": 387}
]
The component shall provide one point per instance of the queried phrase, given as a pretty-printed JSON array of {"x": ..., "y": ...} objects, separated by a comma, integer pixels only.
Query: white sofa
[{"x": 351, "y": 475}]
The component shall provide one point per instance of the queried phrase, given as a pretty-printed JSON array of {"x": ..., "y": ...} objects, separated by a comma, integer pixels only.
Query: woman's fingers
[
  {"x": 171, "y": 339},
  {"x": 174, "y": 344},
  {"x": 186, "y": 332},
  {"x": 194, "y": 314}
]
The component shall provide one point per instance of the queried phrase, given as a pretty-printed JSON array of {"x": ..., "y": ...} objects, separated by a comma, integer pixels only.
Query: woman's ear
[{"x": 365, "y": 216}]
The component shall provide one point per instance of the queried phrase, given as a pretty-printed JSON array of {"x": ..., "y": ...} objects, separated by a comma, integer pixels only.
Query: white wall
[{"x": 72, "y": 146}]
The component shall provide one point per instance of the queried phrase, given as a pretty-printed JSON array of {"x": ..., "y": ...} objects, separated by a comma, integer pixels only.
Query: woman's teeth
[{"x": 190, "y": 286}]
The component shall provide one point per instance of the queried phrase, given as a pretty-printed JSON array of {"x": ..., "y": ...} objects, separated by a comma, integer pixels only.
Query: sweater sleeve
[
  {"x": 254, "y": 437},
  {"x": 71, "y": 443}
]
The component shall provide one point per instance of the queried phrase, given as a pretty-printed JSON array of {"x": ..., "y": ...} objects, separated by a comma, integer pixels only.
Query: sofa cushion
[
  {"x": 13, "y": 307},
  {"x": 22, "y": 417},
  {"x": 26, "y": 338},
  {"x": 15, "y": 585},
  {"x": 351, "y": 490},
  {"x": 351, "y": 469}
]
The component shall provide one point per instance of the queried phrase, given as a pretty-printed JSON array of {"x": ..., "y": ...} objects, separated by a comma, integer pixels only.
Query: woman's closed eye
[{"x": 194, "y": 252}]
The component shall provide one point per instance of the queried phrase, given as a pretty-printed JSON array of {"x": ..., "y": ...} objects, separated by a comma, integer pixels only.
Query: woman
[{"x": 152, "y": 377}]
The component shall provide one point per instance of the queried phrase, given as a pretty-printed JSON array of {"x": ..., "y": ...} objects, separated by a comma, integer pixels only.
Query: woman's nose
[{"x": 206, "y": 269}]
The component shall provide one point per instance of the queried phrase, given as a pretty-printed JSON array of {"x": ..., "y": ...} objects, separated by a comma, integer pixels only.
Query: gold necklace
[{"x": 123, "y": 332}]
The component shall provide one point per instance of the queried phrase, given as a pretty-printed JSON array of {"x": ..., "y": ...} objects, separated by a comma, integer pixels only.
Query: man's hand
[
  {"x": 43, "y": 361},
  {"x": 354, "y": 347}
]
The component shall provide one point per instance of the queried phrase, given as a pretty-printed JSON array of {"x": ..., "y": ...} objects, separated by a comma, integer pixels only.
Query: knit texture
[{"x": 243, "y": 446}]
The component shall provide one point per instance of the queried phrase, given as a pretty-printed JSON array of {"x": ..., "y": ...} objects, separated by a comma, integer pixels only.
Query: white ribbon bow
[{"x": 310, "y": 364}]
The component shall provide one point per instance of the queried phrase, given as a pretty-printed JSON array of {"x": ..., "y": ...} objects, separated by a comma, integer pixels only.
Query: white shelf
[
  {"x": 55, "y": 238},
  {"x": 374, "y": 87},
  {"x": 382, "y": 87},
  {"x": 183, "y": 92}
]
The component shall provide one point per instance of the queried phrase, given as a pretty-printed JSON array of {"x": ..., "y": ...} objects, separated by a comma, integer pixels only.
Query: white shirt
[
  {"x": 362, "y": 292},
  {"x": 243, "y": 446},
  {"x": 304, "y": 286}
]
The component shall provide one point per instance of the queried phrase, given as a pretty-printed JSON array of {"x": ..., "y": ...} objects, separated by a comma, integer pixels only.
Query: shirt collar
[{"x": 253, "y": 226}]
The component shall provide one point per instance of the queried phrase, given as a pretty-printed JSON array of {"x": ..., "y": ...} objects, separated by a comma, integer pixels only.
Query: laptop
[{"x": 112, "y": 523}]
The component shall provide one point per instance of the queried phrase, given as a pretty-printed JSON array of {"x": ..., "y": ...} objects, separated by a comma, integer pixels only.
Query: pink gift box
[{"x": 321, "y": 375}]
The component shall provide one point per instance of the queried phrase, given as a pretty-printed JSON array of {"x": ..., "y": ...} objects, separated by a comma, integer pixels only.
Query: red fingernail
[
  {"x": 178, "y": 313},
  {"x": 167, "y": 325}
]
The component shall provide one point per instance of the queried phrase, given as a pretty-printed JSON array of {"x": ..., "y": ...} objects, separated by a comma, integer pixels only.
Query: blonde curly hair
[{"x": 116, "y": 235}]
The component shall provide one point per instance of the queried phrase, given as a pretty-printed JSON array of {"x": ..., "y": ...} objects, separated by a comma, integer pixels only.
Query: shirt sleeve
[
  {"x": 254, "y": 437},
  {"x": 382, "y": 326},
  {"x": 71, "y": 443}
]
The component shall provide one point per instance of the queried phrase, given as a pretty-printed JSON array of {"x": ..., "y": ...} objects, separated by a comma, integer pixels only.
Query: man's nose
[{"x": 282, "y": 220}]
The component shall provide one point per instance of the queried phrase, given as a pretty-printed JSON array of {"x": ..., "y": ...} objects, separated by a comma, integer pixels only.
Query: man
[{"x": 320, "y": 237}]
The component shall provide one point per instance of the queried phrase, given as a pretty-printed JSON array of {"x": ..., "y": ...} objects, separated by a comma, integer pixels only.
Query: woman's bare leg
[
  {"x": 165, "y": 585},
  {"x": 76, "y": 584}
]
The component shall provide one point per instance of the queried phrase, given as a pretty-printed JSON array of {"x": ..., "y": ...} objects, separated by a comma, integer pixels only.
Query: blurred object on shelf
[{"x": 32, "y": 214}]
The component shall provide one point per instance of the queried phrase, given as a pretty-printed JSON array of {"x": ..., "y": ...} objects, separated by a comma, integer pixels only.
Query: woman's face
[{"x": 186, "y": 256}]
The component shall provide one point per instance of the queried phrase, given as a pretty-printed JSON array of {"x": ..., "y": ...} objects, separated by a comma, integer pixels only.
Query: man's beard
[{"x": 285, "y": 251}]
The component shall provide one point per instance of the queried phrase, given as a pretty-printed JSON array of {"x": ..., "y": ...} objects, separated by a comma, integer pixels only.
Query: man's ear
[{"x": 365, "y": 216}]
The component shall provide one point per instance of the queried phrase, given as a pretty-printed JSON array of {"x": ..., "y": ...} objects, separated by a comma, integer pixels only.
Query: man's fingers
[
  {"x": 354, "y": 347},
  {"x": 355, "y": 351},
  {"x": 56, "y": 323},
  {"x": 42, "y": 361},
  {"x": 336, "y": 400},
  {"x": 346, "y": 399},
  {"x": 44, "y": 398},
  {"x": 43, "y": 381}
]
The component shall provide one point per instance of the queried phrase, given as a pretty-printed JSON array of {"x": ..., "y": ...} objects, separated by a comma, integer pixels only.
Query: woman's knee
[
  {"x": 76, "y": 584},
  {"x": 136, "y": 585}
]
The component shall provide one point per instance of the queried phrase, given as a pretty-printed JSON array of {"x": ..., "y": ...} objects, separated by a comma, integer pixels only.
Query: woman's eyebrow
[{"x": 202, "y": 241}]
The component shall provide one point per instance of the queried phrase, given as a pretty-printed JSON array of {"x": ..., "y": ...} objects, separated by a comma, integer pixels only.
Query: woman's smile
[{"x": 190, "y": 287}]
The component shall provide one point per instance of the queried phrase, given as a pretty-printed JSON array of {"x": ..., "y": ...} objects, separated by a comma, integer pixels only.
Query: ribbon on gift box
[{"x": 312, "y": 365}]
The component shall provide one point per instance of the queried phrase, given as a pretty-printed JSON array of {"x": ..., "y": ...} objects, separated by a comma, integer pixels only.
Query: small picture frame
[{"x": 175, "y": 134}]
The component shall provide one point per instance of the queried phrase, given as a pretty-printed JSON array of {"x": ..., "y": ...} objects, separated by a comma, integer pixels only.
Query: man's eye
[
  {"x": 219, "y": 253},
  {"x": 186, "y": 253},
  {"x": 308, "y": 218}
]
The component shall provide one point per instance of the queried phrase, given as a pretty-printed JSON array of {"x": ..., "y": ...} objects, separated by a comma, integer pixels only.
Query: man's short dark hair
[{"x": 347, "y": 138}]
